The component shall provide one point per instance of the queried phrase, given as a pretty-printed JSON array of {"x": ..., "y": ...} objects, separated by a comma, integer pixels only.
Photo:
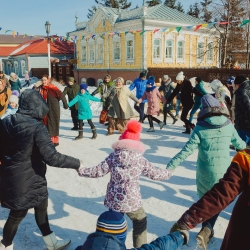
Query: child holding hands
[{"x": 125, "y": 165}]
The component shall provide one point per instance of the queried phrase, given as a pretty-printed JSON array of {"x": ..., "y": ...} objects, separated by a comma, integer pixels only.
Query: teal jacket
[
  {"x": 200, "y": 88},
  {"x": 84, "y": 111},
  {"x": 213, "y": 151},
  {"x": 15, "y": 85}
]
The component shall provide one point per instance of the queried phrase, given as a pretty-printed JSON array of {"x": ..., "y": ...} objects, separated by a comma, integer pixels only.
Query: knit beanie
[
  {"x": 84, "y": 86},
  {"x": 240, "y": 79},
  {"x": 208, "y": 101},
  {"x": 83, "y": 80},
  {"x": 198, "y": 79},
  {"x": 71, "y": 79},
  {"x": 151, "y": 80},
  {"x": 180, "y": 76},
  {"x": 143, "y": 74},
  {"x": 15, "y": 92},
  {"x": 165, "y": 77},
  {"x": 132, "y": 131},
  {"x": 13, "y": 98},
  {"x": 112, "y": 222}
]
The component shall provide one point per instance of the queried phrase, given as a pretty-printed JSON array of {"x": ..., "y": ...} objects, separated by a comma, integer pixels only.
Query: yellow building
[{"x": 125, "y": 42}]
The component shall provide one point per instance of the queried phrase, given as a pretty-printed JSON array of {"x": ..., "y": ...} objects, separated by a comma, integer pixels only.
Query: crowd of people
[{"x": 30, "y": 121}]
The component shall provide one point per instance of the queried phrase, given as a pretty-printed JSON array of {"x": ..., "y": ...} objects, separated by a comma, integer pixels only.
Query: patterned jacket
[{"x": 125, "y": 165}]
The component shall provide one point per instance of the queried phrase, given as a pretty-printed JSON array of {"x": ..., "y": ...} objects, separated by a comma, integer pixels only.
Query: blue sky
[{"x": 29, "y": 16}]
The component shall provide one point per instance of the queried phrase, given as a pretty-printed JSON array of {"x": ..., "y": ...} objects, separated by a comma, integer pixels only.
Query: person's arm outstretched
[{"x": 74, "y": 101}]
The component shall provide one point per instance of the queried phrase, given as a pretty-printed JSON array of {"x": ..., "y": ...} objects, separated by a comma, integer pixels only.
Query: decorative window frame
[
  {"x": 130, "y": 37},
  {"x": 15, "y": 66},
  {"x": 157, "y": 36},
  {"x": 90, "y": 43},
  {"x": 169, "y": 37},
  {"x": 200, "y": 40},
  {"x": 99, "y": 41},
  {"x": 84, "y": 43},
  {"x": 116, "y": 39},
  {"x": 23, "y": 66},
  {"x": 104, "y": 23},
  {"x": 180, "y": 38},
  {"x": 210, "y": 61}
]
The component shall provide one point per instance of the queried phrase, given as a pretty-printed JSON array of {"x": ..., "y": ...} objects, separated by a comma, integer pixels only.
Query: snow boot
[
  {"x": 2, "y": 246},
  {"x": 203, "y": 237},
  {"x": 161, "y": 124},
  {"x": 151, "y": 129},
  {"x": 188, "y": 130},
  {"x": 173, "y": 117},
  {"x": 80, "y": 136},
  {"x": 52, "y": 243},
  {"x": 75, "y": 128},
  {"x": 94, "y": 133}
]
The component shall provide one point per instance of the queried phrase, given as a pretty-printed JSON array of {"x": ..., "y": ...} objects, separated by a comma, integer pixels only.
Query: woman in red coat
[{"x": 52, "y": 95}]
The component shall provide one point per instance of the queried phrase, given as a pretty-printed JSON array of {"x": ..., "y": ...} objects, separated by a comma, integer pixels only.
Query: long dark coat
[
  {"x": 166, "y": 91},
  {"x": 25, "y": 149},
  {"x": 72, "y": 91}
]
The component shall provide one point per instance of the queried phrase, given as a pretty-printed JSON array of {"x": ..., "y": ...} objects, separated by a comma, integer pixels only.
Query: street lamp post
[{"x": 47, "y": 27}]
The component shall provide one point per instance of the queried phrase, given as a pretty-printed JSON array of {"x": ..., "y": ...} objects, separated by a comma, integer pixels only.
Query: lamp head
[{"x": 47, "y": 27}]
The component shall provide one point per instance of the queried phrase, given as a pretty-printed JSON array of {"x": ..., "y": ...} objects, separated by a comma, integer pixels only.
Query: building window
[
  {"x": 117, "y": 50},
  {"x": 210, "y": 51},
  {"x": 16, "y": 67},
  {"x": 169, "y": 49},
  {"x": 92, "y": 51},
  {"x": 23, "y": 67},
  {"x": 180, "y": 50},
  {"x": 200, "y": 51},
  {"x": 100, "y": 52},
  {"x": 84, "y": 51},
  {"x": 103, "y": 23},
  {"x": 129, "y": 48},
  {"x": 157, "y": 49}
]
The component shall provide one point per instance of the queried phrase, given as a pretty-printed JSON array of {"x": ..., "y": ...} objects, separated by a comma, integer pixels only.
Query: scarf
[
  {"x": 54, "y": 92},
  {"x": 150, "y": 89}
]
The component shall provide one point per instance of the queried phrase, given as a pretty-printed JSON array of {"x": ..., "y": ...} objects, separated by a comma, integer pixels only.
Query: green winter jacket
[
  {"x": 213, "y": 151},
  {"x": 72, "y": 91},
  {"x": 200, "y": 88},
  {"x": 84, "y": 111}
]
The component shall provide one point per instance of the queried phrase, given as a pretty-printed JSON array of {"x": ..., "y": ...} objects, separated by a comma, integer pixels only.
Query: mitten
[
  {"x": 80, "y": 168},
  {"x": 102, "y": 99},
  {"x": 175, "y": 228},
  {"x": 185, "y": 233}
]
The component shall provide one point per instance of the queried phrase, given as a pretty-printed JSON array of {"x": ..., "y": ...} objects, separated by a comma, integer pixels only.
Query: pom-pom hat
[
  {"x": 132, "y": 131},
  {"x": 180, "y": 76},
  {"x": 151, "y": 80},
  {"x": 112, "y": 222},
  {"x": 84, "y": 86}
]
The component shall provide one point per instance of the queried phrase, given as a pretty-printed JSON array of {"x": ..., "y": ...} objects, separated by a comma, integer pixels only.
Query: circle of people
[{"x": 30, "y": 124}]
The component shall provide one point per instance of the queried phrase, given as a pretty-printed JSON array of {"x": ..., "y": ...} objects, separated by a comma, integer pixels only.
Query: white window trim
[
  {"x": 16, "y": 67},
  {"x": 209, "y": 61},
  {"x": 116, "y": 39},
  {"x": 99, "y": 41},
  {"x": 167, "y": 38},
  {"x": 23, "y": 67},
  {"x": 157, "y": 36},
  {"x": 180, "y": 38},
  {"x": 130, "y": 37},
  {"x": 91, "y": 42},
  {"x": 199, "y": 41},
  {"x": 84, "y": 43}
]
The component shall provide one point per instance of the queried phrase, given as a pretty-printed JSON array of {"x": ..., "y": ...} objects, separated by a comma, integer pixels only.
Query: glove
[
  {"x": 102, "y": 99},
  {"x": 176, "y": 227},
  {"x": 79, "y": 170},
  {"x": 185, "y": 233}
]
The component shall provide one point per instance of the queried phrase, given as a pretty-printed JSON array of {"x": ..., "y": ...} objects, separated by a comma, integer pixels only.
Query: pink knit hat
[{"x": 132, "y": 131}]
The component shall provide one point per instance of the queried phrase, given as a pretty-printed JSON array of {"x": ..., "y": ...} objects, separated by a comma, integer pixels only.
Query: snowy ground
[{"x": 76, "y": 202}]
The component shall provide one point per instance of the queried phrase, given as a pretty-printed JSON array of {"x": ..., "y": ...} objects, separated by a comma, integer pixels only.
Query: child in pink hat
[{"x": 125, "y": 165}]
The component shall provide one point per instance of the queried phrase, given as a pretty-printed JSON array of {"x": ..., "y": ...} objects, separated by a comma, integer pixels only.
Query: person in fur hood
[{"x": 125, "y": 165}]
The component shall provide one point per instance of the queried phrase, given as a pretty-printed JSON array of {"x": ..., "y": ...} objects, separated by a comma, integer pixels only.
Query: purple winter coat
[{"x": 125, "y": 165}]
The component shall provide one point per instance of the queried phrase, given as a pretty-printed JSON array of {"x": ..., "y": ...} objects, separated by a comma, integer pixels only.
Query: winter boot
[
  {"x": 188, "y": 130},
  {"x": 165, "y": 118},
  {"x": 203, "y": 237},
  {"x": 75, "y": 128},
  {"x": 151, "y": 129},
  {"x": 80, "y": 136},
  {"x": 110, "y": 131},
  {"x": 161, "y": 124},
  {"x": 2, "y": 246},
  {"x": 173, "y": 117},
  {"x": 53, "y": 244},
  {"x": 94, "y": 133}
]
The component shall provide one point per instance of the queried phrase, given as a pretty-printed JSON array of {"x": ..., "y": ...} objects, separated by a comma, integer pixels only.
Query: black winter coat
[
  {"x": 242, "y": 107},
  {"x": 25, "y": 149},
  {"x": 186, "y": 94},
  {"x": 72, "y": 91}
]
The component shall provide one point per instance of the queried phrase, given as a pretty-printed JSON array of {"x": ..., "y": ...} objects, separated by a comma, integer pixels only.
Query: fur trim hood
[{"x": 130, "y": 145}]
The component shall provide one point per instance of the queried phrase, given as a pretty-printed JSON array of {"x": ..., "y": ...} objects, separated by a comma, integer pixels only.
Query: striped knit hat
[{"x": 112, "y": 222}]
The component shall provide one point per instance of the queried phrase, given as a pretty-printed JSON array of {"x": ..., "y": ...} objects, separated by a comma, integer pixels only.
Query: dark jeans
[
  {"x": 140, "y": 110},
  {"x": 74, "y": 116},
  {"x": 184, "y": 114},
  {"x": 210, "y": 223},
  {"x": 27, "y": 82},
  {"x": 91, "y": 124},
  {"x": 16, "y": 216}
]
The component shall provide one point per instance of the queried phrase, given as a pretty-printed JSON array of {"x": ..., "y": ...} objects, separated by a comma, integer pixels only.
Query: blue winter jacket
[
  {"x": 140, "y": 86},
  {"x": 9, "y": 111},
  {"x": 104, "y": 241},
  {"x": 84, "y": 111}
]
